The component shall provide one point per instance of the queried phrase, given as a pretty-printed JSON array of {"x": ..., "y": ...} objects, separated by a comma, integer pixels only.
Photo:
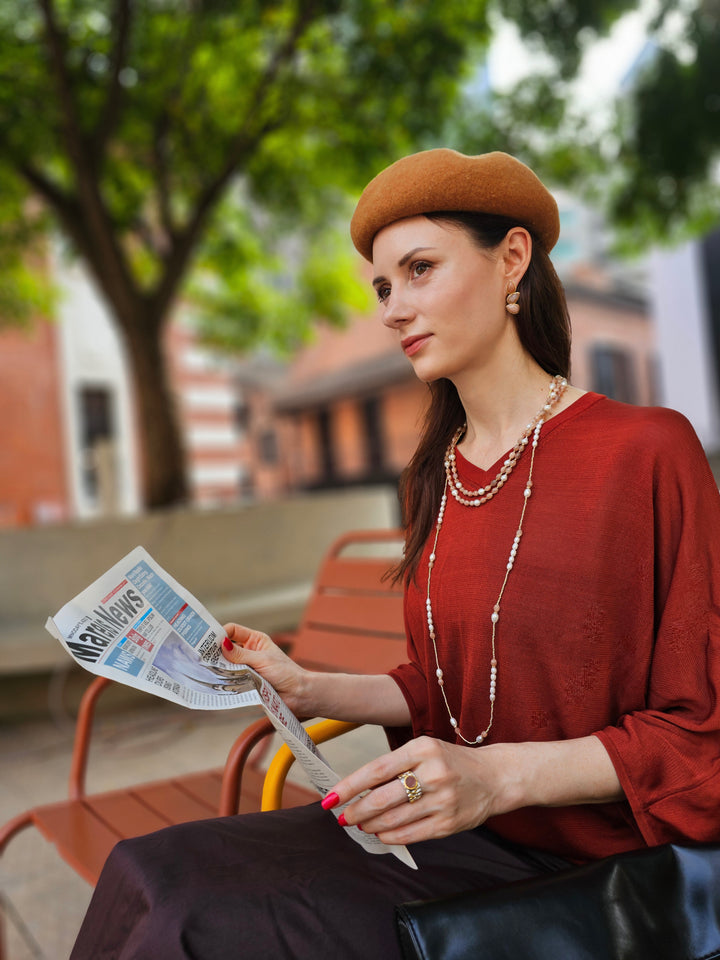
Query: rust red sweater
[{"x": 610, "y": 623}]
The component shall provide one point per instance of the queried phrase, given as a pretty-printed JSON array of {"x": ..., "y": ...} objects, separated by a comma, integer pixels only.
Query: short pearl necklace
[{"x": 478, "y": 497}]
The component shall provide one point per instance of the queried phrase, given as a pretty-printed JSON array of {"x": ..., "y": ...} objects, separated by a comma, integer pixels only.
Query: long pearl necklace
[{"x": 476, "y": 498}]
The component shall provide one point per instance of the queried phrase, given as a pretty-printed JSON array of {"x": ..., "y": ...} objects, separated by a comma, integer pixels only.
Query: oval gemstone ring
[{"x": 411, "y": 784}]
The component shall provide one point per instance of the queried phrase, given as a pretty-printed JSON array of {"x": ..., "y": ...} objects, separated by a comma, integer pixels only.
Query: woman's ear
[{"x": 516, "y": 253}]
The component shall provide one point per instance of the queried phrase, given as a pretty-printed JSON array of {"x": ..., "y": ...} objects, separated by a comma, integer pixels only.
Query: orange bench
[{"x": 352, "y": 622}]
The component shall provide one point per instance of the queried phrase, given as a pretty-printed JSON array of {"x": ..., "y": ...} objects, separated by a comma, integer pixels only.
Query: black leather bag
[{"x": 661, "y": 903}]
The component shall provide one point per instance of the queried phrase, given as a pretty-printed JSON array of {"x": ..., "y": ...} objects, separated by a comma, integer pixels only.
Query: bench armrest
[
  {"x": 238, "y": 756},
  {"x": 284, "y": 759},
  {"x": 83, "y": 732}
]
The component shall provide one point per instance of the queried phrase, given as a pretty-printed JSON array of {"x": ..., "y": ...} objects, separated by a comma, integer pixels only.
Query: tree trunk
[{"x": 163, "y": 455}]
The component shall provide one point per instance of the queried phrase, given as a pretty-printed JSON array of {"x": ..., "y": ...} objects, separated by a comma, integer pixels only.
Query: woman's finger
[
  {"x": 378, "y": 821},
  {"x": 235, "y": 653},
  {"x": 422, "y": 752},
  {"x": 231, "y": 644},
  {"x": 376, "y": 803},
  {"x": 393, "y": 803},
  {"x": 380, "y": 771},
  {"x": 241, "y": 635},
  {"x": 424, "y": 828},
  {"x": 239, "y": 641}
]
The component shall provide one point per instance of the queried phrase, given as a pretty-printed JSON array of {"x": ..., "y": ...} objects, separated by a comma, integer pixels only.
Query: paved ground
[{"x": 43, "y": 901}]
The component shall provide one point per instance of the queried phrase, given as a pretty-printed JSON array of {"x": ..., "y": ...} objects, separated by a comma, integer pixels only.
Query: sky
[{"x": 604, "y": 65}]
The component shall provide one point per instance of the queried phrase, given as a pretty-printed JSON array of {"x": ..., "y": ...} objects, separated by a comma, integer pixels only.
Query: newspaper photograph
[{"x": 137, "y": 625}]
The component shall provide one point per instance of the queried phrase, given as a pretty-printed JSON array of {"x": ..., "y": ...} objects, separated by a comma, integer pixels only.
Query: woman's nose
[{"x": 397, "y": 311}]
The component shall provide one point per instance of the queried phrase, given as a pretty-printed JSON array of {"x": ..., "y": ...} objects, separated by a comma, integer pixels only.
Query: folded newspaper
[{"x": 136, "y": 624}]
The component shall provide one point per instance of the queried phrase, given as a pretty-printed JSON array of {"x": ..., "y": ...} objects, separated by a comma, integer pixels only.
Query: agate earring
[{"x": 511, "y": 300}]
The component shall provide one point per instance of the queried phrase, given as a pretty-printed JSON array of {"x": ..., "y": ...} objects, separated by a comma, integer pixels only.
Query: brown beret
[{"x": 443, "y": 179}]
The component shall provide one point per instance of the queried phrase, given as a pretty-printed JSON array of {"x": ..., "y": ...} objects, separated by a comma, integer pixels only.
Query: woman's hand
[
  {"x": 258, "y": 651},
  {"x": 460, "y": 790},
  {"x": 463, "y": 786},
  {"x": 313, "y": 693}
]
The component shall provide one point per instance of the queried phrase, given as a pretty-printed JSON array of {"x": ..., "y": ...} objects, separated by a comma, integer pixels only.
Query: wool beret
[{"x": 443, "y": 179}]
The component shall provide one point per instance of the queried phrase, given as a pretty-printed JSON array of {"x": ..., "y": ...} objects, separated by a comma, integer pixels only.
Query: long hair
[{"x": 543, "y": 327}]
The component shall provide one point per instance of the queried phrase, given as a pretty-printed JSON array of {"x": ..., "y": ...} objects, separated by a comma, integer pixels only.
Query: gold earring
[{"x": 511, "y": 300}]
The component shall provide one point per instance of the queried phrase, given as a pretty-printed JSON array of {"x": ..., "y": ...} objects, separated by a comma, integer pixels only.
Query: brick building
[
  {"x": 68, "y": 435},
  {"x": 33, "y": 481},
  {"x": 348, "y": 409},
  {"x": 345, "y": 411}
]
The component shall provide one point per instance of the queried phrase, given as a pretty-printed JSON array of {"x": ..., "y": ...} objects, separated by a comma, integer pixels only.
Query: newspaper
[{"x": 136, "y": 624}]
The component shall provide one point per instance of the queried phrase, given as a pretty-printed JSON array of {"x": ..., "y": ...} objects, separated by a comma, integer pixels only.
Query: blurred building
[
  {"x": 68, "y": 435},
  {"x": 684, "y": 296},
  {"x": 346, "y": 410},
  {"x": 212, "y": 417},
  {"x": 685, "y": 291},
  {"x": 33, "y": 483}
]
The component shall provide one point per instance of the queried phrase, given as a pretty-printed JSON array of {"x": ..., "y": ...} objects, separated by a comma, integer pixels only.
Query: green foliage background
[{"x": 210, "y": 149}]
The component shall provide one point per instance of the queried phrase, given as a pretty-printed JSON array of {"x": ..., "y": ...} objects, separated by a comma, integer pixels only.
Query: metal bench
[{"x": 353, "y": 622}]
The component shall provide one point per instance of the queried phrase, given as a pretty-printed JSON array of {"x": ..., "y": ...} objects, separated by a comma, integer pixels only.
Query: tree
[
  {"x": 651, "y": 164},
  {"x": 667, "y": 139},
  {"x": 180, "y": 144},
  {"x": 206, "y": 148}
]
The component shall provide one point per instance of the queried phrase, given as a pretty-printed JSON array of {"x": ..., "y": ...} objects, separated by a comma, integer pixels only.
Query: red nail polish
[
  {"x": 342, "y": 821},
  {"x": 330, "y": 801},
  {"x": 359, "y": 828},
  {"x": 227, "y": 644}
]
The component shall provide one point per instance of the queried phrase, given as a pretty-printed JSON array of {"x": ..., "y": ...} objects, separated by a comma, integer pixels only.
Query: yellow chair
[{"x": 284, "y": 759}]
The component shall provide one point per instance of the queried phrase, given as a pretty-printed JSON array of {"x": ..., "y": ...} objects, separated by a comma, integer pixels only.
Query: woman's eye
[
  {"x": 419, "y": 268},
  {"x": 383, "y": 293}
]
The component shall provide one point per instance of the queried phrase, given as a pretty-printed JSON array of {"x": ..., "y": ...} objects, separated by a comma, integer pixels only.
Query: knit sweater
[{"x": 609, "y": 624}]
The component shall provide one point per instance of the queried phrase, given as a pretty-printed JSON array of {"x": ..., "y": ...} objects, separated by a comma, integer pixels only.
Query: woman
[{"x": 559, "y": 703}]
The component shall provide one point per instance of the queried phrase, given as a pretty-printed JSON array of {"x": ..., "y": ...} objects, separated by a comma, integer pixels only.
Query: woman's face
[{"x": 443, "y": 295}]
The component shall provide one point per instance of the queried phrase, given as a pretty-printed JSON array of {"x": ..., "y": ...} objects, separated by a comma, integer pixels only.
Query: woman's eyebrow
[{"x": 402, "y": 261}]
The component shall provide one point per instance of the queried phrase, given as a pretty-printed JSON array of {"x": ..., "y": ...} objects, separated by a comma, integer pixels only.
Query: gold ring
[{"x": 411, "y": 784}]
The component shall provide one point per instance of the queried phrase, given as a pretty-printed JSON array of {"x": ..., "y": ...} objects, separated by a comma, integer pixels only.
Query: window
[
  {"x": 97, "y": 436},
  {"x": 327, "y": 452},
  {"x": 268, "y": 446},
  {"x": 612, "y": 373},
  {"x": 374, "y": 445}
]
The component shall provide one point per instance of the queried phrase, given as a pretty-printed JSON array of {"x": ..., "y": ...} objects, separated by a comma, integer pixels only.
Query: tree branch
[
  {"x": 107, "y": 259},
  {"x": 110, "y": 113},
  {"x": 163, "y": 179},
  {"x": 185, "y": 241},
  {"x": 63, "y": 204},
  {"x": 285, "y": 52},
  {"x": 161, "y": 136},
  {"x": 240, "y": 148},
  {"x": 244, "y": 139},
  {"x": 121, "y": 293},
  {"x": 72, "y": 130}
]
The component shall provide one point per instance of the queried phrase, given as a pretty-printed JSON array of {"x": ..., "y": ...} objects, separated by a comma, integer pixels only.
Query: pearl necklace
[{"x": 477, "y": 498}]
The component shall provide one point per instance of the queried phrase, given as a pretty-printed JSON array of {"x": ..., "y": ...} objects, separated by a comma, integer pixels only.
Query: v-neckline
[{"x": 485, "y": 475}]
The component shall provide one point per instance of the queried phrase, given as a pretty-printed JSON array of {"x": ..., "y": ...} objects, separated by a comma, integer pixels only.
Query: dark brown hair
[{"x": 543, "y": 326}]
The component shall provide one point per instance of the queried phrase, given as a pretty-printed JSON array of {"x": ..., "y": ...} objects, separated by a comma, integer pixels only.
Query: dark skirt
[{"x": 287, "y": 884}]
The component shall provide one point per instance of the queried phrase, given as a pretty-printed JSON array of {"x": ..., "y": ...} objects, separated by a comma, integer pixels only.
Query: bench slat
[
  {"x": 204, "y": 787},
  {"x": 166, "y": 798},
  {"x": 357, "y": 574},
  {"x": 377, "y": 614},
  {"x": 85, "y": 831},
  {"x": 328, "y": 650},
  {"x": 82, "y": 840},
  {"x": 125, "y": 814}
]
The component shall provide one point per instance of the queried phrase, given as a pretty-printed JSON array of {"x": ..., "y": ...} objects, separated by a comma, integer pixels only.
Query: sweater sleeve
[{"x": 667, "y": 754}]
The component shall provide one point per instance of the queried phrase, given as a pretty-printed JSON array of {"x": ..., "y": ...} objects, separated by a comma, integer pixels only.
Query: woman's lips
[{"x": 411, "y": 345}]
